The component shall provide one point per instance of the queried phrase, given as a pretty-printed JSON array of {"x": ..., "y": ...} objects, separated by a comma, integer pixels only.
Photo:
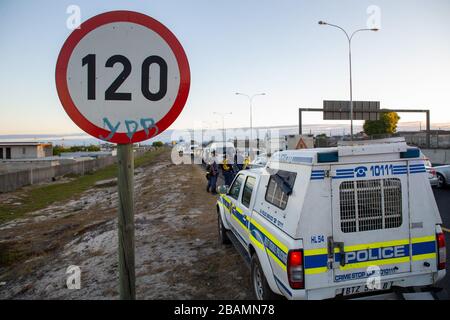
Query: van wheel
[
  {"x": 441, "y": 181},
  {"x": 260, "y": 286},
  {"x": 223, "y": 238}
]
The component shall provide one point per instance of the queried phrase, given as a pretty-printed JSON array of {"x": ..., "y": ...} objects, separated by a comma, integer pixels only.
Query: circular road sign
[{"x": 122, "y": 77}]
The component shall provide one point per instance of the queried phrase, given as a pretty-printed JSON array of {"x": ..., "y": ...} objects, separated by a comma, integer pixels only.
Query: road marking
[{"x": 445, "y": 229}]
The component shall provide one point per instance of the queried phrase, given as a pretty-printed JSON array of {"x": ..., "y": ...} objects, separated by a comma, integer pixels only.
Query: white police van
[{"x": 333, "y": 222}]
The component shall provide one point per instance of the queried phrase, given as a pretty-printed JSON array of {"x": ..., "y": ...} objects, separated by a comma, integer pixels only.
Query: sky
[{"x": 249, "y": 46}]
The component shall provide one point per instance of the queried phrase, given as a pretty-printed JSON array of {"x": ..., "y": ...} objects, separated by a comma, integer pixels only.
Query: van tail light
[
  {"x": 433, "y": 172},
  {"x": 295, "y": 269},
  {"x": 442, "y": 254}
]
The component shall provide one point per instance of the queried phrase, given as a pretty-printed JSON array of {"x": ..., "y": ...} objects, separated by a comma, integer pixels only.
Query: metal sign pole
[{"x": 126, "y": 221}]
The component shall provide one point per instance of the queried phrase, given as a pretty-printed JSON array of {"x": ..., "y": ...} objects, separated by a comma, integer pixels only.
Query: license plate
[{"x": 364, "y": 288}]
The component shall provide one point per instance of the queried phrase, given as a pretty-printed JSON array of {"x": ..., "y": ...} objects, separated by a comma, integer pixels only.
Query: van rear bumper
[{"x": 400, "y": 280}]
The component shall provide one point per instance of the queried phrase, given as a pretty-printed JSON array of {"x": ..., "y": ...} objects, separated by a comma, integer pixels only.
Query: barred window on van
[
  {"x": 370, "y": 204},
  {"x": 280, "y": 188}
]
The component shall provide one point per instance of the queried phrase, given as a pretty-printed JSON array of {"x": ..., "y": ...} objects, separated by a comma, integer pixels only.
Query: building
[{"x": 25, "y": 150}]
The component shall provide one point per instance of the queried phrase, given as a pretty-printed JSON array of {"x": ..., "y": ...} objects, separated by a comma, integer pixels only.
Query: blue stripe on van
[
  {"x": 282, "y": 286},
  {"x": 316, "y": 261},
  {"x": 317, "y": 174},
  {"x": 424, "y": 247}
]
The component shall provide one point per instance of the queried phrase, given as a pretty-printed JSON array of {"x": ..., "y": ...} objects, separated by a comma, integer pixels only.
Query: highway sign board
[{"x": 340, "y": 110}]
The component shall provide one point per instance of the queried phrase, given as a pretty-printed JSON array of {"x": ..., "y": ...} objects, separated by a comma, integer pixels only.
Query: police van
[{"x": 321, "y": 223}]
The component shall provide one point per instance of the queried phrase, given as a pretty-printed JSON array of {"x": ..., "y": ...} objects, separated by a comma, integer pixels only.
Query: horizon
[
  {"x": 297, "y": 69},
  {"x": 81, "y": 138}
]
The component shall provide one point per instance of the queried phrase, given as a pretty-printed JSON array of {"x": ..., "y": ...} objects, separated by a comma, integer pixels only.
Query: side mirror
[{"x": 222, "y": 189}]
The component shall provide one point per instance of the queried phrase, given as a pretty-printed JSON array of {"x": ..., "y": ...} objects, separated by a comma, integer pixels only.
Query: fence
[{"x": 14, "y": 180}]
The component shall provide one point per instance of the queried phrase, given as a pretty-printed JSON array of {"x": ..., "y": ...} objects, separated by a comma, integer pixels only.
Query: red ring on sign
[{"x": 121, "y": 16}]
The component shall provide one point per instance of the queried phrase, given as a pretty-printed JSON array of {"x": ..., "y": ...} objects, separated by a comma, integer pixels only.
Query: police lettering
[{"x": 375, "y": 254}]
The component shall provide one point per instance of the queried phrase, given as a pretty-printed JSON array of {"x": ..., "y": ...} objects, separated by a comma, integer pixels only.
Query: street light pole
[
  {"x": 250, "y": 99},
  {"x": 349, "y": 38},
  {"x": 223, "y": 114}
]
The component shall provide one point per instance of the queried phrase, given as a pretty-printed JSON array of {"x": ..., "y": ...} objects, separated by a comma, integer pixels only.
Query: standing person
[
  {"x": 208, "y": 176},
  {"x": 246, "y": 162},
  {"x": 239, "y": 161},
  {"x": 227, "y": 171},
  {"x": 213, "y": 173}
]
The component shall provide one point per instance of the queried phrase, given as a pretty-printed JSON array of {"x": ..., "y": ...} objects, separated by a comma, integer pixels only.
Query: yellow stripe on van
[
  {"x": 313, "y": 252},
  {"x": 261, "y": 246},
  {"x": 423, "y": 239},
  {"x": 256, "y": 242},
  {"x": 224, "y": 206},
  {"x": 425, "y": 256},
  {"x": 270, "y": 236},
  {"x": 316, "y": 270},
  {"x": 242, "y": 225},
  {"x": 274, "y": 257}
]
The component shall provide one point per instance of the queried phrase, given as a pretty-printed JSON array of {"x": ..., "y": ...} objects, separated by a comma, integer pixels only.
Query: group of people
[{"x": 228, "y": 167}]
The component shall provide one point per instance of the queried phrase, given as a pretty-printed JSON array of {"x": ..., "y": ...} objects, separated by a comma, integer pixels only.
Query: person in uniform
[
  {"x": 246, "y": 162},
  {"x": 227, "y": 171},
  {"x": 213, "y": 172},
  {"x": 239, "y": 161}
]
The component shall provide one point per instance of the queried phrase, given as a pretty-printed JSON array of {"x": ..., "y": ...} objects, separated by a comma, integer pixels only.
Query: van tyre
[
  {"x": 261, "y": 288},
  {"x": 223, "y": 237},
  {"x": 441, "y": 181}
]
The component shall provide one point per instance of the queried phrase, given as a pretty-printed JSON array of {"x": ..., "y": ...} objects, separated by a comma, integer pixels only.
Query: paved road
[{"x": 443, "y": 201}]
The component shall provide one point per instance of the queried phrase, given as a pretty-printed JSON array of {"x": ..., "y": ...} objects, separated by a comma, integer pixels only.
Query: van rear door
[{"x": 370, "y": 217}]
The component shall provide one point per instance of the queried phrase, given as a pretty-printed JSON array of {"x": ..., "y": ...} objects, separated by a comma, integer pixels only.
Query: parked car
[
  {"x": 431, "y": 172},
  {"x": 443, "y": 176},
  {"x": 260, "y": 160},
  {"x": 221, "y": 149}
]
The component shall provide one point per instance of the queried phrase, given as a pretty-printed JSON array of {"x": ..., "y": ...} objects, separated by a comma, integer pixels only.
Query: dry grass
[{"x": 40, "y": 196}]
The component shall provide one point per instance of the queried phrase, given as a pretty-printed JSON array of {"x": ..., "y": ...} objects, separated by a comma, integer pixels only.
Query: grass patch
[
  {"x": 9, "y": 257},
  {"x": 39, "y": 197}
]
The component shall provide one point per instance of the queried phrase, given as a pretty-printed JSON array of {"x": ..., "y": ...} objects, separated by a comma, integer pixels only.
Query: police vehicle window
[
  {"x": 236, "y": 187},
  {"x": 279, "y": 188},
  {"x": 248, "y": 189},
  {"x": 370, "y": 204}
]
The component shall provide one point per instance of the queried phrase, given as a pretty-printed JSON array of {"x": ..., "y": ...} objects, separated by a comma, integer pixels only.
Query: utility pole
[
  {"x": 349, "y": 38},
  {"x": 250, "y": 100},
  {"x": 223, "y": 114}
]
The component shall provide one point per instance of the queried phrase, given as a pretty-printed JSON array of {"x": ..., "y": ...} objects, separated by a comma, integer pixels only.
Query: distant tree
[
  {"x": 93, "y": 148},
  {"x": 57, "y": 150},
  {"x": 157, "y": 144},
  {"x": 76, "y": 148},
  {"x": 386, "y": 125}
]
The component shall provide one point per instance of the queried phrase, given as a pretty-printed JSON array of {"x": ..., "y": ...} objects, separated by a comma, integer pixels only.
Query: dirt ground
[{"x": 177, "y": 251}]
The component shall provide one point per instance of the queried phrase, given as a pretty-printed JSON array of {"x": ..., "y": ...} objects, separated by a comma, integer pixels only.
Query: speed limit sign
[{"x": 122, "y": 77}]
